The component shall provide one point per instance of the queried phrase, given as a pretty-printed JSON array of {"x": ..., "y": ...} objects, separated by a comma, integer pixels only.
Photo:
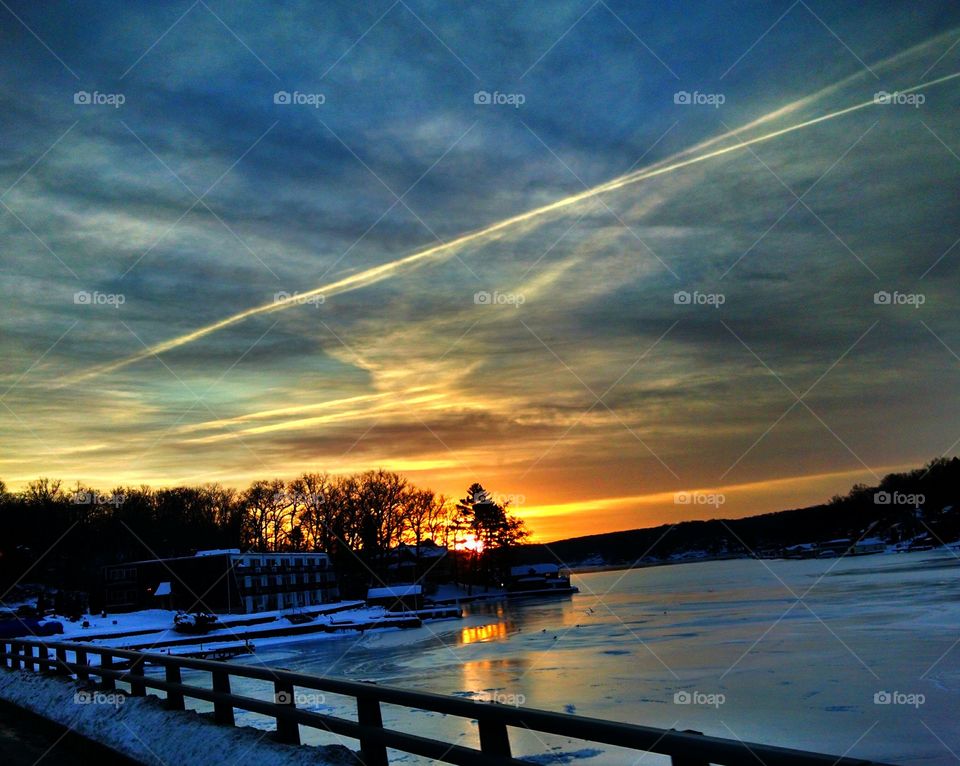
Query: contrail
[{"x": 375, "y": 274}]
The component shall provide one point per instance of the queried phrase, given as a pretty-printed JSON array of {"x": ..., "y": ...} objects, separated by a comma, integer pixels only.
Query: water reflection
[{"x": 496, "y": 631}]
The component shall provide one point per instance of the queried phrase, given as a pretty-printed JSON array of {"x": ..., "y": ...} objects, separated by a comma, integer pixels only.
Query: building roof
[
  {"x": 534, "y": 569},
  {"x": 395, "y": 591},
  {"x": 220, "y": 552}
]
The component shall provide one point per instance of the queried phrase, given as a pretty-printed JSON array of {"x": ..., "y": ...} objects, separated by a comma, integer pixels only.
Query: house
[
  {"x": 221, "y": 581},
  {"x": 800, "y": 551},
  {"x": 869, "y": 545},
  {"x": 428, "y": 564},
  {"x": 538, "y": 577},
  {"x": 396, "y": 598}
]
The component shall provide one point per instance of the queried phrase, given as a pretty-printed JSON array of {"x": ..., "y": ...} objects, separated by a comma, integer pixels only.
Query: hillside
[{"x": 906, "y": 511}]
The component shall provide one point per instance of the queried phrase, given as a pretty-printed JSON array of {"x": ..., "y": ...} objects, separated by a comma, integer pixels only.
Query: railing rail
[{"x": 494, "y": 721}]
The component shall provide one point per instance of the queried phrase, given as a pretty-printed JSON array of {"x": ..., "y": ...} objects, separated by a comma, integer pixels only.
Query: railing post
[
  {"x": 222, "y": 709},
  {"x": 174, "y": 699},
  {"x": 80, "y": 656},
  {"x": 137, "y": 687},
  {"x": 494, "y": 739},
  {"x": 684, "y": 759},
  {"x": 106, "y": 663},
  {"x": 44, "y": 663},
  {"x": 26, "y": 657},
  {"x": 372, "y": 752},
  {"x": 288, "y": 731},
  {"x": 62, "y": 668}
]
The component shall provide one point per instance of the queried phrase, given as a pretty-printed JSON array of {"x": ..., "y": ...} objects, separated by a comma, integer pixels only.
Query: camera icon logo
[
  {"x": 82, "y": 298},
  {"x": 682, "y": 698},
  {"x": 281, "y": 97},
  {"x": 682, "y": 298},
  {"x": 882, "y": 298},
  {"x": 682, "y": 97},
  {"x": 482, "y": 97},
  {"x": 482, "y": 298},
  {"x": 881, "y": 498},
  {"x": 283, "y": 697},
  {"x": 81, "y": 97},
  {"x": 882, "y": 698}
]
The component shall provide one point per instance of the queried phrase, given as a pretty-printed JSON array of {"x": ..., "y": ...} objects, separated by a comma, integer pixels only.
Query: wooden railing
[{"x": 494, "y": 720}]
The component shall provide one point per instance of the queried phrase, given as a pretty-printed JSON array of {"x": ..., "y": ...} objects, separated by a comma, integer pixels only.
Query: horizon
[{"x": 577, "y": 257}]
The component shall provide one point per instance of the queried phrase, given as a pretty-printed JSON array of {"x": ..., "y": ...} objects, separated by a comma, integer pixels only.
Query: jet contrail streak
[{"x": 377, "y": 273}]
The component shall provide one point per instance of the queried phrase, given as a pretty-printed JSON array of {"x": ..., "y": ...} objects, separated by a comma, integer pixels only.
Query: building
[
  {"x": 224, "y": 581},
  {"x": 869, "y": 545},
  {"x": 429, "y": 565},
  {"x": 396, "y": 598},
  {"x": 531, "y": 578}
]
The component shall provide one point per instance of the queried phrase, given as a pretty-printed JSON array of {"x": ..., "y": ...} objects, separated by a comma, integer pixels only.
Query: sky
[{"x": 622, "y": 263}]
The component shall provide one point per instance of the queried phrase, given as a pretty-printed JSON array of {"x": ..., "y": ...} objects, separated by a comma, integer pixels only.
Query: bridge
[{"x": 108, "y": 667}]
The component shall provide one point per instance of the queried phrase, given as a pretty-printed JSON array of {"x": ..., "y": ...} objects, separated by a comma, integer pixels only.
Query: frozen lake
[{"x": 755, "y": 662}]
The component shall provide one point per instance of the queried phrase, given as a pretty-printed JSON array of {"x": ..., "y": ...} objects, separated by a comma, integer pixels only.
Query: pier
[{"x": 111, "y": 666}]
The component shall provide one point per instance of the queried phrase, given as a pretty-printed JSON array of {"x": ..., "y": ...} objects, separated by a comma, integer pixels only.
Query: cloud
[{"x": 581, "y": 214}]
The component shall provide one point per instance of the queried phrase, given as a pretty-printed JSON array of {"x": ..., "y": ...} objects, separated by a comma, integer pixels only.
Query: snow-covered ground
[
  {"x": 151, "y": 630},
  {"x": 142, "y": 729}
]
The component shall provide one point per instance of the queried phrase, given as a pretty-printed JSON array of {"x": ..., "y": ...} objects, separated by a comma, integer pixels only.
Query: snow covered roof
[
  {"x": 534, "y": 569},
  {"x": 428, "y": 549},
  {"x": 220, "y": 552},
  {"x": 871, "y": 541},
  {"x": 395, "y": 591}
]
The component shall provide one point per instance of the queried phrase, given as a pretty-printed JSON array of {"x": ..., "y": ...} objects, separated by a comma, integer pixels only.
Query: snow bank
[{"x": 142, "y": 729}]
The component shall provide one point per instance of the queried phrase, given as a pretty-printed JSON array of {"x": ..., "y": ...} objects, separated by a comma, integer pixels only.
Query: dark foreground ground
[{"x": 27, "y": 740}]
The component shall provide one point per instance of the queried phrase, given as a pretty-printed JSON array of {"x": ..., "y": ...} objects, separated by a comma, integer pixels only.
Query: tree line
[{"x": 62, "y": 536}]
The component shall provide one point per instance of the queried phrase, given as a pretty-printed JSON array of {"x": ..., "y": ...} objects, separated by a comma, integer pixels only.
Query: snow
[
  {"x": 219, "y": 552},
  {"x": 395, "y": 591},
  {"x": 142, "y": 729}
]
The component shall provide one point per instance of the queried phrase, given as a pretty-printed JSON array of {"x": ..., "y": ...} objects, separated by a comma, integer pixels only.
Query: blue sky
[{"x": 582, "y": 387}]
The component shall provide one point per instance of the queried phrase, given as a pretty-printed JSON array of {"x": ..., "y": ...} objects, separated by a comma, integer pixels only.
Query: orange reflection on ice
[{"x": 495, "y": 631}]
